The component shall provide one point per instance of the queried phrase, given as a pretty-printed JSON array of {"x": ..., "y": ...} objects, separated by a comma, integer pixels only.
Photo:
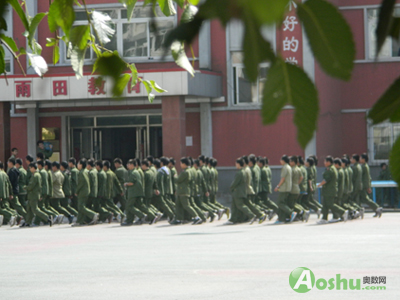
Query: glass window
[
  {"x": 8, "y": 56},
  {"x": 121, "y": 121},
  {"x": 383, "y": 137},
  {"x": 391, "y": 47},
  {"x": 81, "y": 122},
  {"x": 155, "y": 120},
  {"x": 138, "y": 38},
  {"x": 245, "y": 91}
]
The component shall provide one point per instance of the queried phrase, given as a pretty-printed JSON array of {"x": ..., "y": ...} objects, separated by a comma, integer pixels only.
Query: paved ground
[{"x": 196, "y": 262}]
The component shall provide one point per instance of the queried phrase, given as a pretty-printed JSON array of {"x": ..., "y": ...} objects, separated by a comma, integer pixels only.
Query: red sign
[
  {"x": 95, "y": 88},
  {"x": 23, "y": 89},
  {"x": 59, "y": 87},
  {"x": 289, "y": 37},
  {"x": 136, "y": 88}
]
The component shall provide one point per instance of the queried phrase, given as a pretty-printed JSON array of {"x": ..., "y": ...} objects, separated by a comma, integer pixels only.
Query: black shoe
[
  {"x": 212, "y": 217},
  {"x": 175, "y": 222},
  {"x": 70, "y": 219},
  {"x": 126, "y": 224},
  {"x": 138, "y": 222},
  {"x": 50, "y": 221},
  {"x": 197, "y": 221}
]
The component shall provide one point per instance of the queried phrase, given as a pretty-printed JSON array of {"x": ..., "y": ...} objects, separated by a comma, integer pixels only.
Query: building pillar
[
  {"x": 206, "y": 129},
  {"x": 64, "y": 139},
  {"x": 174, "y": 127},
  {"x": 205, "y": 46},
  {"x": 5, "y": 137},
  {"x": 32, "y": 129}
]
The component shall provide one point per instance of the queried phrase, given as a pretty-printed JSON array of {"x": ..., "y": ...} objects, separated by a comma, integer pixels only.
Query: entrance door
[{"x": 82, "y": 143}]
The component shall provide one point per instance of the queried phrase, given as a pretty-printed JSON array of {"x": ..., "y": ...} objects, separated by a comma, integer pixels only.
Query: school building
[{"x": 216, "y": 113}]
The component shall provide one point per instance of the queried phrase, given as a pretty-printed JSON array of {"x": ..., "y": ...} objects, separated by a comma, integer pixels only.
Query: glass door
[
  {"x": 97, "y": 144},
  {"x": 82, "y": 146}
]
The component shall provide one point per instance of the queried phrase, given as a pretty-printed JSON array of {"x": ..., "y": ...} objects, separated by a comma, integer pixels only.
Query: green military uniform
[
  {"x": 255, "y": 181},
  {"x": 285, "y": 211},
  {"x": 158, "y": 200},
  {"x": 182, "y": 204},
  {"x": 94, "y": 201},
  {"x": 239, "y": 190},
  {"x": 250, "y": 195},
  {"x": 34, "y": 194},
  {"x": 193, "y": 191},
  {"x": 329, "y": 193},
  {"x": 295, "y": 191},
  {"x": 174, "y": 175},
  {"x": 206, "y": 175},
  {"x": 83, "y": 192},
  {"x": 44, "y": 194},
  {"x": 366, "y": 183},
  {"x": 67, "y": 193},
  {"x": 58, "y": 193},
  {"x": 201, "y": 190},
  {"x": 303, "y": 188},
  {"x": 74, "y": 183},
  {"x": 150, "y": 185},
  {"x": 266, "y": 189},
  {"x": 135, "y": 193},
  {"x": 100, "y": 204},
  {"x": 113, "y": 186},
  {"x": 311, "y": 187},
  {"x": 122, "y": 175},
  {"x": 22, "y": 182},
  {"x": 357, "y": 184}
]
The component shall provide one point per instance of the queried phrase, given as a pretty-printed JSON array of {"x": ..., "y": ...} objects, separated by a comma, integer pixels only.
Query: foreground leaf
[
  {"x": 110, "y": 64},
  {"x": 394, "y": 161},
  {"x": 2, "y": 60},
  {"x": 134, "y": 73},
  {"x": 149, "y": 90},
  {"x": 179, "y": 55},
  {"x": 167, "y": 7},
  {"x": 120, "y": 84},
  {"x": 289, "y": 84},
  {"x": 130, "y": 6},
  {"x": 9, "y": 41},
  {"x": 61, "y": 14},
  {"x": 33, "y": 27},
  {"x": 156, "y": 87},
  {"x": 102, "y": 24},
  {"x": 38, "y": 64},
  {"x": 330, "y": 37},
  {"x": 77, "y": 61},
  {"x": 384, "y": 23},
  {"x": 388, "y": 105},
  {"x": 265, "y": 11},
  {"x": 20, "y": 12},
  {"x": 79, "y": 36}
]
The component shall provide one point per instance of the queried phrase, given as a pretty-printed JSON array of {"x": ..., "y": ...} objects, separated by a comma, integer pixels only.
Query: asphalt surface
[{"x": 208, "y": 261}]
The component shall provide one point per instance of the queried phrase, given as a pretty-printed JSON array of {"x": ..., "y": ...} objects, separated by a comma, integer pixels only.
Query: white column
[
  {"x": 206, "y": 129},
  {"x": 32, "y": 129}
]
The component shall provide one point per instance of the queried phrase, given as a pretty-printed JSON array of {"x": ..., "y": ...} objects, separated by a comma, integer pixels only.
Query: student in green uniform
[
  {"x": 329, "y": 192},
  {"x": 284, "y": 187},
  {"x": 168, "y": 182},
  {"x": 74, "y": 181},
  {"x": 122, "y": 175},
  {"x": 201, "y": 187},
  {"x": 46, "y": 153},
  {"x": 44, "y": 193},
  {"x": 150, "y": 189},
  {"x": 303, "y": 184},
  {"x": 14, "y": 153},
  {"x": 9, "y": 214},
  {"x": 357, "y": 181},
  {"x": 34, "y": 195},
  {"x": 239, "y": 190},
  {"x": 112, "y": 187},
  {"x": 135, "y": 195},
  {"x": 183, "y": 194},
  {"x": 174, "y": 175},
  {"x": 99, "y": 203},
  {"x": 28, "y": 160},
  {"x": 266, "y": 187},
  {"x": 162, "y": 182},
  {"x": 48, "y": 167},
  {"x": 206, "y": 174},
  {"x": 13, "y": 175},
  {"x": 347, "y": 189},
  {"x": 67, "y": 190},
  {"x": 58, "y": 193},
  {"x": 255, "y": 178},
  {"x": 82, "y": 193},
  {"x": 297, "y": 178},
  {"x": 366, "y": 190},
  {"x": 311, "y": 187},
  {"x": 22, "y": 182},
  {"x": 193, "y": 191}
]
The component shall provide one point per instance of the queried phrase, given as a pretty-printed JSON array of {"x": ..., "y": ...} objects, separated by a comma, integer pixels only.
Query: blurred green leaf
[
  {"x": 134, "y": 72},
  {"x": 120, "y": 84},
  {"x": 61, "y": 14},
  {"x": 388, "y": 105},
  {"x": 130, "y": 6},
  {"x": 102, "y": 24},
  {"x": 3, "y": 23},
  {"x": 79, "y": 36},
  {"x": 10, "y": 42},
  {"x": 194, "y": 2},
  {"x": 110, "y": 64},
  {"x": 394, "y": 161},
  {"x": 56, "y": 54},
  {"x": 156, "y": 87},
  {"x": 20, "y": 12},
  {"x": 2, "y": 61},
  {"x": 289, "y": 84},
  {"x": 38, "y": 64},
  {"x": 33, "y": 27},
  {"x": 179, "y": 55},
  {"x": 181, "y": 3},
  {"x": 77, "y": 61},
  {"x": 189, "y": 13},
  {"x": 149, "y": 90},
  {"x": 330, "y": 37},
  {"x": 167, "y": 7},
  {"x": 394, "y": 31},
  {"x": 256, "y": 49},
  {"x": 50, "y": 42},
  {"x": 184, "y": 32},
  {"x": 384, "y": 23}
]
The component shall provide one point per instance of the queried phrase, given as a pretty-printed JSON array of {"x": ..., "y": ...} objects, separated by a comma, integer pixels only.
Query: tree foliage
[{"x": 328, "y": 33}]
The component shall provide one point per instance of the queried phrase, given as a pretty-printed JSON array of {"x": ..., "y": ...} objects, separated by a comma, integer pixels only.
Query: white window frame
[
  {"x": 119, "y": 31},
  {"x": 367, "y": 49},
  {"x": 8, "y": 16},
  {"x": 371, "y": 145}
]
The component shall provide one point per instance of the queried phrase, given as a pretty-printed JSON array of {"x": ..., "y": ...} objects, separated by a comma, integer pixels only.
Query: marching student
[
  {"x": 122, "y": 175},
  {"x": 266, "y": 187},
  {"x": 67, "y": 189},
  {"x": 74, "y": 181},
  {"x": 329, "y": 193},
  {"x": 22, "y": 182},
  {"x": 112, "y": 187},
  {"x": 13, "y": 175}
]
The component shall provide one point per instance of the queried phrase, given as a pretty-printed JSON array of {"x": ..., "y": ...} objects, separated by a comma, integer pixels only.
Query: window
[
  {"x": 382, "y": 138},
  {"x": 8, "y": 56},
  {"x": 137, "y": 39},
  {"x": 391, "y": 48},
  {"x": 246, "y": 92}
]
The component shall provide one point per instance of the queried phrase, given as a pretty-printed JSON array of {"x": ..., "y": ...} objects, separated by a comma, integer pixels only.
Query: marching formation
[{"x": 88, "y": 192}]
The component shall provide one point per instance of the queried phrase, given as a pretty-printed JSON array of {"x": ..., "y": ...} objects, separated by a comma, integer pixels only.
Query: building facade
[{"x": 216, "y": 113}]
